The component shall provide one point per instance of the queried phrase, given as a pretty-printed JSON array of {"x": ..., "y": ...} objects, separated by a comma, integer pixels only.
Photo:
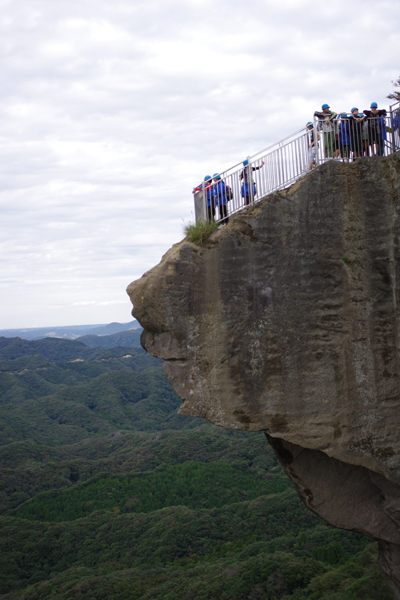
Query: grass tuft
[
  {"x": 349, "y": 261},
  {"x": 200, "y": 231}
]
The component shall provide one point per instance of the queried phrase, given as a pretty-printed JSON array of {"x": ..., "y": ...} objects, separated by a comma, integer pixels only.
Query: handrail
[{"x": 281, "y": 164}]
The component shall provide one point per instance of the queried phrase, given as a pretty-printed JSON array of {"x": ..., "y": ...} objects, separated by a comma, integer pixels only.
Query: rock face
[{"x": 287, "y": 320}]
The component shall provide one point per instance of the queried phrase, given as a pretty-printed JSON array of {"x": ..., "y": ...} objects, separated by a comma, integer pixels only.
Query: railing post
[
  {"x": 250, "y": 180},
  {"x": 393, "y": 132},
  {"x": 205, "y": 212},
  {"x": 316, "y": 145},
  {"x": 200, "y": 208}
]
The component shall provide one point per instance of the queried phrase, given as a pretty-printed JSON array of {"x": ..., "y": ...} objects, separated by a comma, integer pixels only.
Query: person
[
  {"x": 221, "y": 200},
  {"x": 311, "y": 144},
  {"x": 249, "y": 188},
  {"x": 356, "y": 133},
  {"x": 376, "y": 128},
  {"x": 373, "y": 129},
  {"x": 344, "y": 137},
  {"x": 326, "y": 125},
  {"x": 209, "y": 191}
]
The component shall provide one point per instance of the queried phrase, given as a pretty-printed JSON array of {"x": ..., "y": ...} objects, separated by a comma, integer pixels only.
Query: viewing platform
[{"x": 282, "y": 164}]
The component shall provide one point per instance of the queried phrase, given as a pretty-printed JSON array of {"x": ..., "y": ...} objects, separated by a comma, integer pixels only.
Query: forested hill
[
  {"x": 107, "y": 493},
  {"x": 122, "y": 338}
]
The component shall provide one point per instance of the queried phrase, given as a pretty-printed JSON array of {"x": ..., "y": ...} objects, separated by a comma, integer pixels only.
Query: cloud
[{"x": 111, "y": 113}]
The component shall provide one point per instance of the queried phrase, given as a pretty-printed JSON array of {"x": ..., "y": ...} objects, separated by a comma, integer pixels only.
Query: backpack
[{"x": 228, "y": 193}]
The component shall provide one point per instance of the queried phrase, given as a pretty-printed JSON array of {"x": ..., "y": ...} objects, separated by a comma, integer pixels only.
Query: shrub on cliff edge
[{"x": 200, "y": 231}]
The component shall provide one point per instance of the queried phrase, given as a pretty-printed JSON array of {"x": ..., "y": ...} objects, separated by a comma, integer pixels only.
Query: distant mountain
[
  {"x": 114, "y": 328},
  {"x": 57, "y": 349},
  {"x": 123, "y": 338},
  {"x": 69, "y": 332}
]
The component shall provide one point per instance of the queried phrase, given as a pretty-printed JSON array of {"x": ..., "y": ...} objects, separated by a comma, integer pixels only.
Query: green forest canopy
[{"x": 107, "y": 493}]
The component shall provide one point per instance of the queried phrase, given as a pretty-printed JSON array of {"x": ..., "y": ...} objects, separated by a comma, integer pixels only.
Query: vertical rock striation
[{"x": 287, "y": 321}]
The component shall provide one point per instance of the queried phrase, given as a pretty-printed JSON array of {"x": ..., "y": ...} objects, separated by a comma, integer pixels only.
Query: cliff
[{"x": 287, "y": 321}]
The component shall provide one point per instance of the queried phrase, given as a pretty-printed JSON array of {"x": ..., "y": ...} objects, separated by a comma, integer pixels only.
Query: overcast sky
[{"x": 112, "y": 111}]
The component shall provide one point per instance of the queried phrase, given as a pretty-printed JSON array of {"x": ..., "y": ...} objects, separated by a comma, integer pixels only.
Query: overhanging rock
[{"x": 287, "y": 321}]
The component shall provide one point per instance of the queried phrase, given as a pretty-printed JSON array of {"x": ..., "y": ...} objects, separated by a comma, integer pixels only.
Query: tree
[{"x": 395, "y": 95}]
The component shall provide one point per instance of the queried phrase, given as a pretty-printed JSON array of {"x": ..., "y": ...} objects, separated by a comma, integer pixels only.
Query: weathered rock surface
[{"x": 287, "y": 321}]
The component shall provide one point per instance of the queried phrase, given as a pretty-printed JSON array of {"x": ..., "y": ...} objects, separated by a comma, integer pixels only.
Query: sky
[{"x": 111, "y": 112}]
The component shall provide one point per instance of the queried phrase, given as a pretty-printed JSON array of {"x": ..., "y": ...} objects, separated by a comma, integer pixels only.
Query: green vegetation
[
  {"x": 193, "y": 484},
  {"x": 349, "y": 261},
  {"x": 200, "y": 231},
  {"x": 260, "y": 549},
  {"x": 86, "y": 393},
  {"x": 106, "y": 493}
]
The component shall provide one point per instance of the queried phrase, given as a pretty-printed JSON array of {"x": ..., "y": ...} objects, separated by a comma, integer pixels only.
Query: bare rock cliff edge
[{"x": 287, "y": 321}]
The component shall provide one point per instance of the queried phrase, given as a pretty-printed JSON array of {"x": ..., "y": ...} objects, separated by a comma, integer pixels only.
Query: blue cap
[
  {"x": 353, "y": 109},
  {"x": 245, "y": 163},
  {"x": 325, "y": 106},
  {"x": 374, "y": 105},
  {"x": 343, "y": 114},
  {"x": 216, "y": 176},
  {"x": 207, "y": 178},
  {"x": 309, "y": 123}
]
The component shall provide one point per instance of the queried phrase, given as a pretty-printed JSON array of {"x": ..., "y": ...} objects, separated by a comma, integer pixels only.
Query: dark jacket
[{"x": 374, "y": 122}]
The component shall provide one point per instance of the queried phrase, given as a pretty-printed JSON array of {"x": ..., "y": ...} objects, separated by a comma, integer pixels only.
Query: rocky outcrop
[{"x": 287, "y": 321}]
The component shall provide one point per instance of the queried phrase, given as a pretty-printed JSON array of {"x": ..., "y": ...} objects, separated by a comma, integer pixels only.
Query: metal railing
[{"x": 282, "y": 164}]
